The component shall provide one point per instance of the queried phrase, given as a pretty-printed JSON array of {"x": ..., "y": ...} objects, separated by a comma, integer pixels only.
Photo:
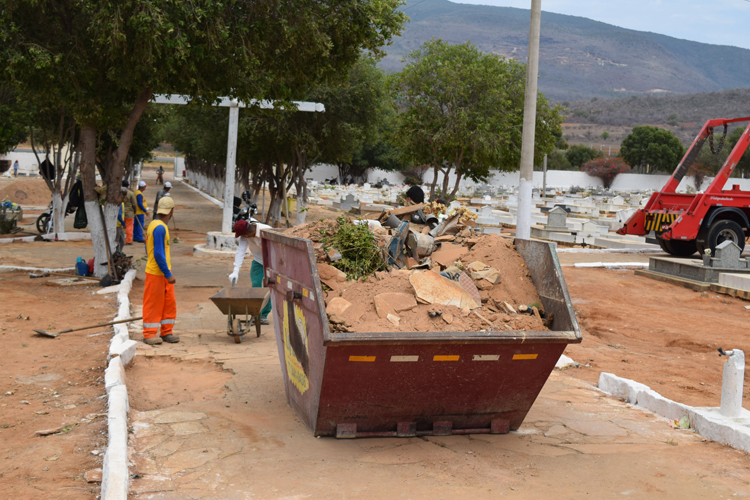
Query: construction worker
[
  {"x": 129, "y": 207},
  {"x": 249, "y": 235},
  {"x": 162, "y": 192},
  {"x": 160, "y": 176},
  {"x": 141, "y": 209},
  {"x": 15, "y": 168},
  {"x": 120, "y": 235},
  {"x": 159, "y": 305}
]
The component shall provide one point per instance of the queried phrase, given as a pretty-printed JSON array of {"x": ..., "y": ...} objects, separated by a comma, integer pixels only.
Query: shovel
[{"x": 55, "y": 334}]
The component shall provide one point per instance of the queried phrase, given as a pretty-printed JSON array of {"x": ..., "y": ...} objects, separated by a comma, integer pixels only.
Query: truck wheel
[
  {"x": 723, "y": 230},
  {"x": 682, "y": 248},
  {"x": 678, "y": 248}
]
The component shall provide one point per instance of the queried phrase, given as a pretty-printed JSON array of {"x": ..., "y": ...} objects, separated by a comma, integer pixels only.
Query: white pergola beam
[{"x": 234, "y": 105}]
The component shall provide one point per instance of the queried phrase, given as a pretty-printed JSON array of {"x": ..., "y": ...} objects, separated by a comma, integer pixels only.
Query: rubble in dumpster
[{"x": 462, "y": 280}]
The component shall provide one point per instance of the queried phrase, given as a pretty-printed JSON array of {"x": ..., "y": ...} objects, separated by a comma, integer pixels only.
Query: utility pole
[
  {"x": 523, "y": 224},
  {"x": 234, "y": 116},
  {"x": 544, "y": 179}
]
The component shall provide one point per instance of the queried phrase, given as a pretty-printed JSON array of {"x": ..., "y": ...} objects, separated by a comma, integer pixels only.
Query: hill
[{"x": 579, "y": 58}]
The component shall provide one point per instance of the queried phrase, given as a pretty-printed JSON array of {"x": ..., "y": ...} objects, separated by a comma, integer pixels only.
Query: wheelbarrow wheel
[{"x": 236, "y": 330}]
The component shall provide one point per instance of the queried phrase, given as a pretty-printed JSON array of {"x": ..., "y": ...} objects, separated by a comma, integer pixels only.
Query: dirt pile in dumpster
[{"x": 474, "y": 282}]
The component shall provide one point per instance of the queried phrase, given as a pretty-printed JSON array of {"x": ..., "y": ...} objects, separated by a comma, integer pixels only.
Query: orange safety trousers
[
  {"x": 129, "y": 230},
  {"x": 159, "y": 306}
]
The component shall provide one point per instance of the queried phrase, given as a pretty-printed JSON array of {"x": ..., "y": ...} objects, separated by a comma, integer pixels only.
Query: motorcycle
[
  {"x": 244, "y": 213},
  {"x": 45, "y": 223}
]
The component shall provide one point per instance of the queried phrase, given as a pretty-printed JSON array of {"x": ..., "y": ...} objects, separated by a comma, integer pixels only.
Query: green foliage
[
  {"x": 557, "y": 161},
  {"x": 606, "y": 169},
  {"x": 743, "y": 166},
  {"x": 461, "y": 111},
  {"x": 360, "y": 254},
  {"x": 14, "y": 120},
  {"x": 653, "y": 146},
  {"x": 578, "y": 155},
  {"x": 605, "y": 135},
  {"x": 561, "y": 143}
]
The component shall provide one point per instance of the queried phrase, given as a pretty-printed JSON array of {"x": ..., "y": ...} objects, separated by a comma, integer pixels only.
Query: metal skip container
[{"x": 407, "y": 384}]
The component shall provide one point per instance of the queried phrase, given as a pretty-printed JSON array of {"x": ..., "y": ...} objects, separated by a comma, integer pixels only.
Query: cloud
[{"x": 722, "y": 23}]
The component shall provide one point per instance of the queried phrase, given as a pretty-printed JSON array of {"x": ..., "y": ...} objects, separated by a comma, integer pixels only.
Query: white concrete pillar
[
  {"x": 732, "y": 384},
  {"x": 234, "y": 115},
  {"x": 523, "y": 224}
]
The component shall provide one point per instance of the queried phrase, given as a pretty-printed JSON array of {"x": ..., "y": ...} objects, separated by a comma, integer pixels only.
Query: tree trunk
[
  {"x": 435, "y": 171},
  {"x": 97, "y": 233},
  {"x": 446, "y": 181},
  {"x": 58, "y": 211},
  {"x": 452, "y": 197},
  {"x": 301, "y": 209}
]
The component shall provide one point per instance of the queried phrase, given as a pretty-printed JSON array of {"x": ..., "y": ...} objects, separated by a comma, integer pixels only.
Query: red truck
[{"x": 689, "y": 223}]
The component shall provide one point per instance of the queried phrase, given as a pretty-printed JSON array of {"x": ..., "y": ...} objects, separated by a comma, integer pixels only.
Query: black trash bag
[{"x": 81, "y": 221}]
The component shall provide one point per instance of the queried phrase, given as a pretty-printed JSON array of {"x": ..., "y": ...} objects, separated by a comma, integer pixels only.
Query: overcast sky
[{"x": 723, "y": 22}]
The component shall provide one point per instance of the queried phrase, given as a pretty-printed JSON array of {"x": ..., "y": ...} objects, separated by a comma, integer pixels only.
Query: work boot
[
  {"x": 152, "y": 341},
  {"x": 171, "y": 339}
]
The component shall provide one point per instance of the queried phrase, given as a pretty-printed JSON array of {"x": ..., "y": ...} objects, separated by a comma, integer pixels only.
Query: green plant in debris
[{"x": 360, "y": 255}]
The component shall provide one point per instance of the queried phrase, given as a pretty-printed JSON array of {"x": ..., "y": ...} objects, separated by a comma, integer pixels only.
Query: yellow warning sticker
[
  {"x": 362, "y": 359},
  {"x": 446, "y": 358},
  {"x": 524, "y": 356},
  {"x": 305, "y": 292}
]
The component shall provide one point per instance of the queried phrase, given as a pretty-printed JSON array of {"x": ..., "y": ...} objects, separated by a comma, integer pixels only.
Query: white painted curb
[
  {"x": 707, "y": 422},
  {"x": 37, "y": 269},
  {"x": 49, "y": 237},
  {"x": 608, "y": 250},
  {"x": 115, "y": 475},
  {"x": 209, "y": 198},
  {"x": 612, "y": 265}
]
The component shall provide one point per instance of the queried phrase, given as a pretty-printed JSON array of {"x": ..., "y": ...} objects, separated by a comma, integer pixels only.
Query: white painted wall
[
  {"x": 27, "y": 164},
  {"x": 561, "y": 179}
]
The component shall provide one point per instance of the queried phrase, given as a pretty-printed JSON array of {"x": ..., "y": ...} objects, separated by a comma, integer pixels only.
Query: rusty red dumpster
[{"x": 409, "y": 383}]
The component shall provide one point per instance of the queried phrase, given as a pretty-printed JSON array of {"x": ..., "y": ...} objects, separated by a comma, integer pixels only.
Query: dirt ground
[
  {"x": 210, "y": 418},
  {"x": 51, "y": 384}
]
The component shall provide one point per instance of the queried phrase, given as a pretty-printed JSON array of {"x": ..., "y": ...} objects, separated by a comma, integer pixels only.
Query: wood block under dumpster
[{"x": 367, "y": 384}]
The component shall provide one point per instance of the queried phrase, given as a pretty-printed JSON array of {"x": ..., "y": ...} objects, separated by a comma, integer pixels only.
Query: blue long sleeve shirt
[
  {"x": 139, "y": 200},
  {"x": 160, "y": 255}
]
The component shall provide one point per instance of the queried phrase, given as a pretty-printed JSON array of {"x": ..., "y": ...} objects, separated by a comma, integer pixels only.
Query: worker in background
[
  {"x": 129, "y": 207},
  {"x": 15, "y": 168},
  {"x": 159, "y": 305},
  {"x": 120, "y": 235},
  {"x": 249, "y": 235},
  {"x": 141, "y": 209},
  {"x": 162, "y": 193},
  {"x": 160, "y": 176},
  {"x": 414, "y": 196}
]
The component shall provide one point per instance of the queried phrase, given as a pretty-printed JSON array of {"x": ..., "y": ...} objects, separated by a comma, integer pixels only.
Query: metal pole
[
  {"x": 544, "y": 179},
  {"x": 523, "y": 224},
  {"x": 226, "y": 221}
]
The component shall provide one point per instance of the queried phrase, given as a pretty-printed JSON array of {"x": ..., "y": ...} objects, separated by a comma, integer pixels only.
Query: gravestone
[
  {"x": 556, "y": 219},
  {"x": 728, "y": 256},
  {"x": 618, "y": 200},
  {"x": 349, "y": 202}
]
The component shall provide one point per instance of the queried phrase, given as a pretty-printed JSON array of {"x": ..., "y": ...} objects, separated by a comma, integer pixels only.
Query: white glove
[{"x": 235, "y": 276}]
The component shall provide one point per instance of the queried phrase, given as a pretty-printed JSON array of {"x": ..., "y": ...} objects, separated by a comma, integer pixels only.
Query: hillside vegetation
[{"x": 580, "y": 58}]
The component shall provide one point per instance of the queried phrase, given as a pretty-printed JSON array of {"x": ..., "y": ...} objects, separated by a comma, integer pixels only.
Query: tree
[
  {"x": 104, "y": 61},
  {"x": 557, "y": 161},
  {"x": 578, "y": 155},
  {"x": 653, "y": 148},
  {"x": 605, "y": 135},
  {"x": 606, "y": 169},
  {"x": 461, "y": 111},
  {"x": 14, "y": 120},
  {"x": 561, "y": 143},
  {"x": 743, "y": 166}
]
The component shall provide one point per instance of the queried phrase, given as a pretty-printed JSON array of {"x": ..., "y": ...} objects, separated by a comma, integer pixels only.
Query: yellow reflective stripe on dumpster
[
  {"x": 524, "y": 356},
  {"x": 446, "y": 358},
  {"x": 362, "y": 359}
]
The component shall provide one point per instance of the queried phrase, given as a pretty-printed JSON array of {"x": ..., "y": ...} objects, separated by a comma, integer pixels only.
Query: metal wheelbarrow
[{"x": 235, "y": 302}]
